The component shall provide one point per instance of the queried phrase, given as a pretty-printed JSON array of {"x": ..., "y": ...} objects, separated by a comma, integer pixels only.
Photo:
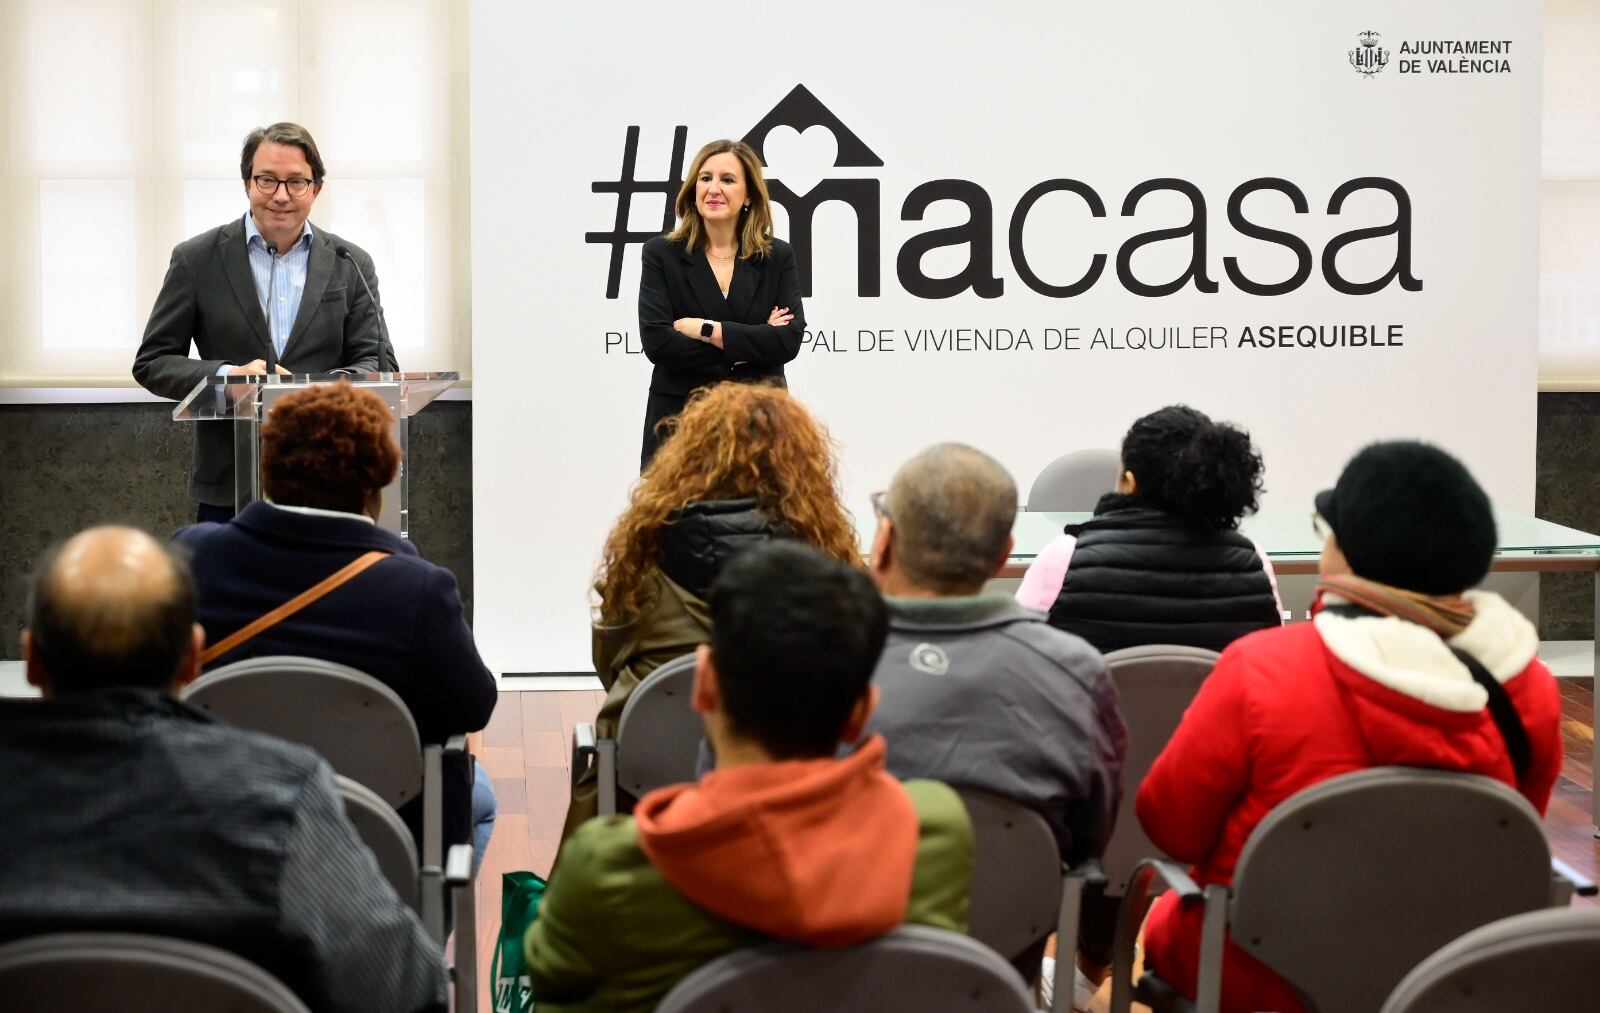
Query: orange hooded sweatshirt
[{"x": 815, "y": 851}]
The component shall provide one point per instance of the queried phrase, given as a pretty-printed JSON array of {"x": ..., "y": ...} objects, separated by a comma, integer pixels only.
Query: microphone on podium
[
  {"x": 272, "y": 310},
  {"x": 386, "y": 360}
]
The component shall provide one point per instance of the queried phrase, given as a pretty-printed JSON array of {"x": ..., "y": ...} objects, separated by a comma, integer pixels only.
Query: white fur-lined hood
[{"x": 1413, "y": 660}]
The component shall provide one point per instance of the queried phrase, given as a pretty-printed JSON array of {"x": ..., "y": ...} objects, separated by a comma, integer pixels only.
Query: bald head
[
  {"x": 111, "y": 606},
  {"x": 951, "y": 509}
]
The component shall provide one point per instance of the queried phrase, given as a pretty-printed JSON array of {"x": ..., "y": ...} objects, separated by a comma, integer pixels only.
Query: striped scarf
[{"x": 1446, "y": 615}]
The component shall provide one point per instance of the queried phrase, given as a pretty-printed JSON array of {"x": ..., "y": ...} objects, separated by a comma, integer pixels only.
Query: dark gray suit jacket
[{"x": 209, "y": 298}]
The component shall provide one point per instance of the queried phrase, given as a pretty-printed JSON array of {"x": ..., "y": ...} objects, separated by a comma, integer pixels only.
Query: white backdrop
[{"x": 993, "y": 102}]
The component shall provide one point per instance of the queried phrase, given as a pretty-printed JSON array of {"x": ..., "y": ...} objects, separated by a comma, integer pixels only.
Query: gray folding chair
[
  {"x": 1155, "y": 684},
  {"x": 386, "y": 836},
  {"x": 658, "y": 738},
  {"x": 366, "y": 733},
  {"x": 1019, "y": 895},
  {"x": 911, "y": 968},
  {"x": 1543, "y": 960},
  {"x": 71, "y": 972},
  {"x": 1074, "y": 481},
  {"x": 1349, "y": 884}
]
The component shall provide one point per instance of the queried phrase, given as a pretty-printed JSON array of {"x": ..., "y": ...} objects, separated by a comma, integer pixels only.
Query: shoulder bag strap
[
  {"x": 1501, "y": 709},
  {"x": 290, "y": 607},
  {"x": 1504, "y": 713}
]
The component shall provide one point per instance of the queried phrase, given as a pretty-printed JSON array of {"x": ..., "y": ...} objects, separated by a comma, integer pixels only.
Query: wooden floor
[{"x": 525, "y": 746}]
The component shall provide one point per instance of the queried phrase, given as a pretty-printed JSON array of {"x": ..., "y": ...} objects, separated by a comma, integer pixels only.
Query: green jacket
[
  {"x": 613, "y": 934},
  {"x": 676, "y": 623}
]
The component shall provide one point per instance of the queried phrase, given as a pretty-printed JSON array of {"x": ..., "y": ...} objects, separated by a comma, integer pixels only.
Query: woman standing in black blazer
[{"x": 719, "y": 296}]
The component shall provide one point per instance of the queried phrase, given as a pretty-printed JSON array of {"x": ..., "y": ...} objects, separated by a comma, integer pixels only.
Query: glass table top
[{"x": 1287, "y": 536}]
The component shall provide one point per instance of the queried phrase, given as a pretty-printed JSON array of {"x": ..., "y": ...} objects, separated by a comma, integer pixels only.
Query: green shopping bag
[{"x": 520, "y": 894}]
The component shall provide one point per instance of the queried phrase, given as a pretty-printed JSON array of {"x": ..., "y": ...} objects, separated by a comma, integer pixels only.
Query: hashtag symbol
[{"x": 625, "y": 187}]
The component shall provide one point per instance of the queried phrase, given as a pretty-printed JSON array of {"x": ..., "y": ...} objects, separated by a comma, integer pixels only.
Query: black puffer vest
[
  {"x": 1141, "y": 576},
  {"x": 704, "y": 536}
]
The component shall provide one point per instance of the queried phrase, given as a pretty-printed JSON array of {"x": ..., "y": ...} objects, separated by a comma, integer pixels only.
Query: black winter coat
[
  {"x": 1142, "y": 576},
  {"x": 704, "y": 536}
]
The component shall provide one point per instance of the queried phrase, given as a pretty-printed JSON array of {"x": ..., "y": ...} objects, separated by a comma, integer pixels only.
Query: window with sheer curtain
[
  {"x": 1569, "y": 235},
  {"x": 120, "y": 137}
]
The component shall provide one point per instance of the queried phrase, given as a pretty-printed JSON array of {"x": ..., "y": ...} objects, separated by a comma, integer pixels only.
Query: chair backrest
[
  {"x": 75, "y": 971},
  {"x": 1543, "y": 960},
  {"x": 359, "y": 725},
  {"x": 1016, "y": 883},
  {"x": 911, "y": 968},
  {"x": 1156, "y": 683},
  {"x": 1074, "y": 481},
  {"x": 385, "y": 835},
  {"x": 1346, "y": 886},
  {"x": 658, "y": 735}
]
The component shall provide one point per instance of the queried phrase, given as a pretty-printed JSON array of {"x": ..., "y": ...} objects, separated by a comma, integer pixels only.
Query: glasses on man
[
  {"x": 880, "y": 504},
  {"x": 268, "y": 185},
  {"x": 1320, "y": 525}
]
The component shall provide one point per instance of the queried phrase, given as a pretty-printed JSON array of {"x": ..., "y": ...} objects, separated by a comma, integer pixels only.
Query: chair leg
[
  {"x": 431, "y": 889},
  {"x": 606, "y": 754},
  {"x": 1071, "y": 914},
  {"x": 433, "y": 806},
  {"x": 1130, "y": 915},
  {"x": 1213, "y": 932},
  {"x": 432, "y": 878},
  {"x": 463, "y": 884}
]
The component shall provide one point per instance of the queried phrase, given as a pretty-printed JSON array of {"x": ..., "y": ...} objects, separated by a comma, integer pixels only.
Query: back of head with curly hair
[
  {"x": 1208, "y": 473},
  {"x": 330, "y": 447},
  {"x": 732, "y": 441}
]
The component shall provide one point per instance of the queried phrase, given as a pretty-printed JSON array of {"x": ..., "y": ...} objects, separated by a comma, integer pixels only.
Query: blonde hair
[{"x": 755, "y": 224}]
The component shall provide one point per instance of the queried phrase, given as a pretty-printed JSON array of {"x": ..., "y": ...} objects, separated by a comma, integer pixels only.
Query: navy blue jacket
[{"x": 400, "y": 622}]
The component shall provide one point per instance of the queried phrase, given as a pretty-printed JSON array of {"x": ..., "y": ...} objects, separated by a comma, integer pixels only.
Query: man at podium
[{"x": 266, "y": 293}]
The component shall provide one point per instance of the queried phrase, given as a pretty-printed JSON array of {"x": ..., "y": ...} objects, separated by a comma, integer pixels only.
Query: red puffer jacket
[{"x": 1289, "y": 707}]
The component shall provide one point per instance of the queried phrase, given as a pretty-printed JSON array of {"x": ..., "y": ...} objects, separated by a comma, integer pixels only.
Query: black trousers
[
  {"x": 656, "y": 408},
  {"x": 660, "y": 406}
]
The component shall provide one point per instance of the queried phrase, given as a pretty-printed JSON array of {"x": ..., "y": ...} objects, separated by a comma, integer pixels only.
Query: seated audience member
[
  {"x": 1162, "y": 560},
  {"x": 326, "y": 455},
  {"x": 782, "y": 840},
  {"x": 746, "y": 463},
  {"x": 135, "y": 813},
  {"x": 1371, "y": 681},
  {"x": 978, "y": 691}
]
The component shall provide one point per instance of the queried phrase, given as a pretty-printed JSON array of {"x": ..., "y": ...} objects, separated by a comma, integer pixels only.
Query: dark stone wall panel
[
  {"x": 1567, "y": 491},
  {"x": 66, "y": 467}
]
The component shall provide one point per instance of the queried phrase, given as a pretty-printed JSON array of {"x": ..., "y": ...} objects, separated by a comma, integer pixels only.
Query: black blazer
[
  {"x": 675, "y": 283},
  {"x": 209, "y": 298}
]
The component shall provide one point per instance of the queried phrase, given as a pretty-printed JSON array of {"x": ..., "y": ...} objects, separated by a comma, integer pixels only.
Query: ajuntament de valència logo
[
  {"x": 1368, "y": 58},
  {"x": 985, "y": 270}
]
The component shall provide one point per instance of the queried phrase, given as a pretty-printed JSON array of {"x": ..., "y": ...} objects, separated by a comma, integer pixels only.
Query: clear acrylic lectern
[{"x": 244, "y": 401}]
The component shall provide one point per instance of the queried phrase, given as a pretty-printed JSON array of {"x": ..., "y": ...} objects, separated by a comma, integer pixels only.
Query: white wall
[{"x": 1110, "y": 94}]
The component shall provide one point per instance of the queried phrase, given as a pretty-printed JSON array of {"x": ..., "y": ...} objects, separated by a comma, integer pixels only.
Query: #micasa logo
[
  {"x": 1368, "y": 58},
  {"x": 854, "y": 181}
]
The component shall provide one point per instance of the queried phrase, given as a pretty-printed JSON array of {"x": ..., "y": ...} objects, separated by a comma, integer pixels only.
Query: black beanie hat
[{"x": 1411, "y": 516}]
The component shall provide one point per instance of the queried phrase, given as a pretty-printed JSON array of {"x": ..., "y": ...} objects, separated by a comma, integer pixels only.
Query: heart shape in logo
[{"x": 801, "y": 160}]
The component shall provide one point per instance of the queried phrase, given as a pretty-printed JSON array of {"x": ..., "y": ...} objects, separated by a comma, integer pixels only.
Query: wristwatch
[{"x": 706, "y": 327}]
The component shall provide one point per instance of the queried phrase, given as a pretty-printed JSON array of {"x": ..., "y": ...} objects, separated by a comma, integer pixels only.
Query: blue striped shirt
[{"x": 289, "y": 285}]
